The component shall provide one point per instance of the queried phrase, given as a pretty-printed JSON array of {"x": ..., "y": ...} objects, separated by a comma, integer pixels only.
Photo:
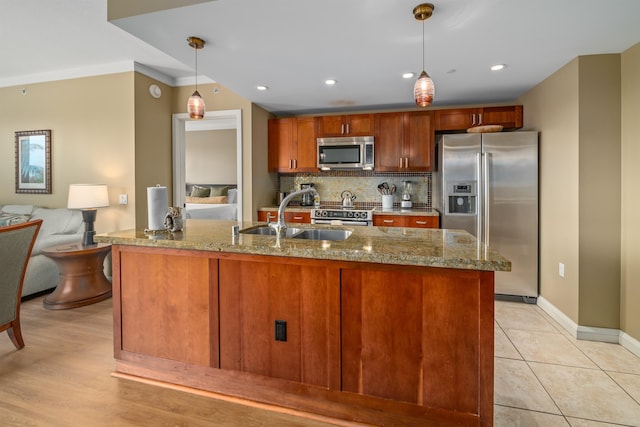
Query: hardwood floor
[{"x": 63, "y": 378}]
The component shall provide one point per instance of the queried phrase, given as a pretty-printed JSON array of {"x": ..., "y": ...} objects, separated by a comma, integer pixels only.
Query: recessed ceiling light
[
  {"x": 408, "y": 75},
  {"x": 262, "y": 87},
  {"x": 497, "y": 67},
  {"x": 330, "y": 82}
]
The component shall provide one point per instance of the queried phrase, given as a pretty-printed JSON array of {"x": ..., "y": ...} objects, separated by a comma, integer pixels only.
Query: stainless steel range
[{"x": 361, "y": 217}]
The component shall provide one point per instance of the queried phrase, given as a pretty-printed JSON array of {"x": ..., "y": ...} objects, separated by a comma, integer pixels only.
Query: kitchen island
[{"x": 392, "y": 326}]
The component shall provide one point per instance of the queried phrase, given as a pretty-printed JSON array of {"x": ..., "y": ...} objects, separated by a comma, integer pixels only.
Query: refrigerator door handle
[
  {"x": 480, "y": 199},
  {"x": 486, "y": 196}
]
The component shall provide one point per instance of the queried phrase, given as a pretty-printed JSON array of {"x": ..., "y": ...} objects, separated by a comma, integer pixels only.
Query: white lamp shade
[{"x": 86, "y": 196}]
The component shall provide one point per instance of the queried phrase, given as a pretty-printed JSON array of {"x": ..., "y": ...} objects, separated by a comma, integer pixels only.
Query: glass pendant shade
[
  {"x": 195, "y": 106},
  {"x": 423, "y": 90}
]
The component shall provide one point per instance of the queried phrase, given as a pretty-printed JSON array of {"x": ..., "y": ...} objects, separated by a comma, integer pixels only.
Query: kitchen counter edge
[{"x": 384, "y": 245}]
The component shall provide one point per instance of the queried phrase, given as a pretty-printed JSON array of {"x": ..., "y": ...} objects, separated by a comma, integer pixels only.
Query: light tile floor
[{"x": 544, "y": 377}]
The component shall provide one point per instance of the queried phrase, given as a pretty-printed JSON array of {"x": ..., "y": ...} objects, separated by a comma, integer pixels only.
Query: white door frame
[{"x": 223, "y": 119}]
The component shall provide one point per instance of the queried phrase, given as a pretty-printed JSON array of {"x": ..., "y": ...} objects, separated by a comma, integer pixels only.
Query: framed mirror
[{"x": 33, "y": 162}]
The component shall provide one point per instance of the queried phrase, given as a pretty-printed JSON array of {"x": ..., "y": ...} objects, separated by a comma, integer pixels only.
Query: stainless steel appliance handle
[
  {"x": 480, "y": 198},
  {"x": 487, "y": 195},
  {"x": 342, "y": 222}
]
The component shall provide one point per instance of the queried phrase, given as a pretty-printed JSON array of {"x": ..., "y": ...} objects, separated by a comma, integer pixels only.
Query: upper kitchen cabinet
[
  {"x": 292, "y": 145},
  {"x": 463, "y": 118},
  {"x": 350, "y": 125},
  {"x": 404, "y": 142}
]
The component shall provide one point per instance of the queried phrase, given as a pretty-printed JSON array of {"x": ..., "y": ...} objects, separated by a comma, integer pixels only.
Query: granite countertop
[
  {"x": 384, "y": 245},
  {"x": 376, "y": 211}
]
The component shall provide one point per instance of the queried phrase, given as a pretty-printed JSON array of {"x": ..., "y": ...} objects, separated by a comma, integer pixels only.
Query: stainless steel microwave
[{"x": 355, "y": 152}]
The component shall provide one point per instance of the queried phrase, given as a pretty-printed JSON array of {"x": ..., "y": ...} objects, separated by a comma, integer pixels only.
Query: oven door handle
[{"x": 340, "y": 222}]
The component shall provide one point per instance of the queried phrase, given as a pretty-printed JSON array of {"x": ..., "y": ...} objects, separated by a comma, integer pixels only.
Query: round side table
[{"x": 82, "y": 280}]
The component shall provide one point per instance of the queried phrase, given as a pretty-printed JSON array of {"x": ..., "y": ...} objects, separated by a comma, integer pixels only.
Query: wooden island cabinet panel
[
  {"x": 170, "y": 306},
  {"x": 430, "y": 330},
  {"x": 367, "y": 342},
  {"x": 256, "y": 294}
]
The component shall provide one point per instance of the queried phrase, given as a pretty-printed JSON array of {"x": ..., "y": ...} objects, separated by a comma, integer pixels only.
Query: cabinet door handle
[
  {"x": 473, "y": 120},
  {"x": 388, "y": 221},
  {"x": 406, "y": 162},
  {"x": 290, "y": 164},
  {"x": 342, "y": 129},
  {"x": 297, "y": 217},
  {"x": 421, "y": 222},
  {"x": 400, "y": 162},
  {"x": 480, "y": 118},
  {"x": 348, "y": 131},
  {"x": 295, "y": 163}
]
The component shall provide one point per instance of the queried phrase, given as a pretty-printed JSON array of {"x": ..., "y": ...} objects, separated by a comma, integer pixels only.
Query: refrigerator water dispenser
[{"x": 461, "y": 199}]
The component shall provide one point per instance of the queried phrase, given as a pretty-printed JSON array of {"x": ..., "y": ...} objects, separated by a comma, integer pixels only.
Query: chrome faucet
[{"x": 280, "y": 226}]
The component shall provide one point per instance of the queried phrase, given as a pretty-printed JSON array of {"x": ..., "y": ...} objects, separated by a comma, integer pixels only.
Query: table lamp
[{"x": 88, "y": 197}]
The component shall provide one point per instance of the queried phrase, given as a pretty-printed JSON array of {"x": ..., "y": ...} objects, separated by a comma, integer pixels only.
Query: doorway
[{"x": 213, "y": 120}]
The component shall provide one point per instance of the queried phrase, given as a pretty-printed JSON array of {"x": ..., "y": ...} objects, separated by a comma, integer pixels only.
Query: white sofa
[{"x": 59, "y": 226}]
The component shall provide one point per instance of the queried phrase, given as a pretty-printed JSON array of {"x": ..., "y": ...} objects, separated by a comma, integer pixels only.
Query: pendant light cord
[
  {"x": 423, "y": 44},
  {"x": 196, "y": 51}
]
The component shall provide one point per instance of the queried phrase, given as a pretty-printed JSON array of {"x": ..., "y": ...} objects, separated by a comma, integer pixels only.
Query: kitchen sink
[
  {"x": 268, "y": 231},
  {"x": 322, "y": 234},
  {"x": 301, "y": 233}
]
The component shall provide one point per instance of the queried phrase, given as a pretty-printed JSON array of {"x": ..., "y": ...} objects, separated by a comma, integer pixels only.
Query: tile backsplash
[{"x": 363, "y": 185}]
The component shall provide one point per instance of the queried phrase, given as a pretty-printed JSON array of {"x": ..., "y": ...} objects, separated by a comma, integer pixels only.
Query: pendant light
[
  {"x": 195, "y": 105},
  {"x": 424, "y": 89}
]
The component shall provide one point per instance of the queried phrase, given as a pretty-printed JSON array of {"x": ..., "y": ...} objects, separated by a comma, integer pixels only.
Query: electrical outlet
[
  {"x": 281, "y": 330},
  {"x": 124, "y": 199},
  {"x": 561, "y": 269}
]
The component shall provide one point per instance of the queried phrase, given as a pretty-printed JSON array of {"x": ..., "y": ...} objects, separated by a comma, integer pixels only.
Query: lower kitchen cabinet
[
  {"x": 299, "y": 305},
  {"x": 406, "y": 329},
  {"x": 298, "y": 217},
  {"x": 171, "y": 309},
  {"x": 373, "y": 343},
  {"x": 414, "y": 221}
]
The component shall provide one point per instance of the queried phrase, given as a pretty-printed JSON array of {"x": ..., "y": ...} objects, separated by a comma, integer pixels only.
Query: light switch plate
[{"x": 124, "y": 199}]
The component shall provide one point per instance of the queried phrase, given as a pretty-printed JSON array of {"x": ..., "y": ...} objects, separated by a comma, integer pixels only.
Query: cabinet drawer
[
  {"x": 300, "y": 217},
  {"x": 389, "y": 220},
  {"x": 417, "y": 221},
  {"x": 422, "y": 221}
]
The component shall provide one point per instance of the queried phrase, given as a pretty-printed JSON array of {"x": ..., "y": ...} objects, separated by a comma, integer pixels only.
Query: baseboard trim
[
  {"x": 630, "y": 343},
  {"x": 588, "y": 333},
  {"x": 557, "y": 315}
]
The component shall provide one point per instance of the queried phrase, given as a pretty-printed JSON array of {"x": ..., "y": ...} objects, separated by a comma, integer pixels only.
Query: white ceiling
[{"x": 292, "y": 46}]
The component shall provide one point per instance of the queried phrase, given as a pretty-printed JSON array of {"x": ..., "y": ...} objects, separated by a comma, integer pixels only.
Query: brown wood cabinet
[
  {"x": 402, "y": 329},
  {"x": 301, "y": 309},
  {"x": 299, "y": 217},
  {"x": 378, "y": 344},
  {"x": 404, "y": 142},
  {"x": 413, "y": 221},
  {"x": 292, "y": 145},
  {"x": 348, "y": 125},
  {"x": 459, "y": 119}
]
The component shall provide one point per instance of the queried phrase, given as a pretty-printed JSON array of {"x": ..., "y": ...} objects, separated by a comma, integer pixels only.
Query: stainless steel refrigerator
[{"x": 487, "y": 184}]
